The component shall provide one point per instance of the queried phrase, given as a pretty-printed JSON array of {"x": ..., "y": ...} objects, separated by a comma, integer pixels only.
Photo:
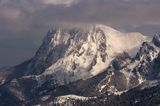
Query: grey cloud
[
  {"x": 24, "y": 23},
  {"x": 60, "y": 2}
]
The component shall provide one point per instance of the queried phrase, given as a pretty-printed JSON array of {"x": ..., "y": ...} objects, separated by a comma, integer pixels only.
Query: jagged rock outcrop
[{"x": 156, "y": 40}]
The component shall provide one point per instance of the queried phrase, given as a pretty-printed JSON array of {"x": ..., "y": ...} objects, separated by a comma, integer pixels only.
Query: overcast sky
[{"x": 24, "y": 23}]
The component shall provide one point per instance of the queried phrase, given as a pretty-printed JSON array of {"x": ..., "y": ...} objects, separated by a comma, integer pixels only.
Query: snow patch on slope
[{"x": 63, "y": 99}]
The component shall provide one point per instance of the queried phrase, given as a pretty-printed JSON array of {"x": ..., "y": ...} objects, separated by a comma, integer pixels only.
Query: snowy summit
[{"x": 74, "y": 54}]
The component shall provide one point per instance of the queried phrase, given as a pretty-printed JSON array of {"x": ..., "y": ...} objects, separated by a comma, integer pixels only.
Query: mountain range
[{"x": 93, "y": 66}]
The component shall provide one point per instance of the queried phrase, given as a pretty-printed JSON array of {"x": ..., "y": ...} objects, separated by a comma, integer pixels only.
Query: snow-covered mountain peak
[
  {"x": 97, "y": 62},
  {"x": 71, "y": 54},
  {"x": 93, "y": 34}
]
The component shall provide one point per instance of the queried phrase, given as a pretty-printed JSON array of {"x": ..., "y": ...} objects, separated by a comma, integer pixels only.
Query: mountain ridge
[
  {"x": 95, "y": 63},
  {"x": 87, "y": 47}
]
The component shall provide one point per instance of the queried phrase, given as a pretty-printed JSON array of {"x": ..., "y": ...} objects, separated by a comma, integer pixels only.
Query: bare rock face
[
  {"x": 147, "y": 51},
  {"x": 119, "y": 81},
  {"x": 121, "y": 61}
]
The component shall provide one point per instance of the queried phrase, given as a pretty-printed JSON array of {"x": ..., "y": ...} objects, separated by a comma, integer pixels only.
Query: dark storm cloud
[{"x": 23, "y": 23}]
